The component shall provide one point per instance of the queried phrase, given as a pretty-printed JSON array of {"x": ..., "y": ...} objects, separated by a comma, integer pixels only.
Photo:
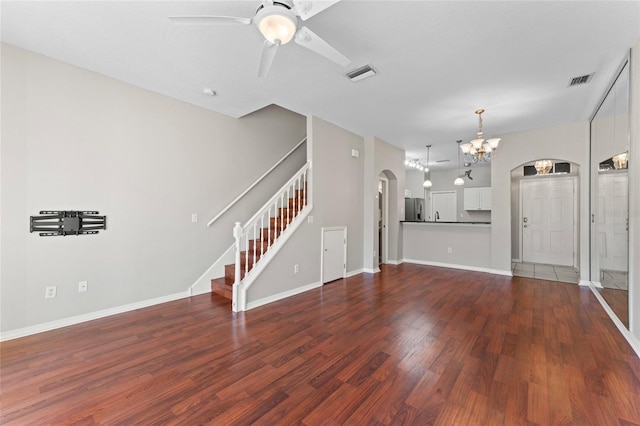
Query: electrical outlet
[
  {"x": 194, "y": 217},
  {"x": 83, "y": 286},
  {"x": 449, "y": 250},
  {"x": 296, "y": 268},
  {"x": 50, "y": 292}
]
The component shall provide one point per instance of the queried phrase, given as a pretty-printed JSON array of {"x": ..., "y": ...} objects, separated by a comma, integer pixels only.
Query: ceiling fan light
[
  {"x": 278, "y": 27},
  {"x": 493, "y": 143},
  {"x": 459, "y": 181},
  {"x": 427, "y": 183}
]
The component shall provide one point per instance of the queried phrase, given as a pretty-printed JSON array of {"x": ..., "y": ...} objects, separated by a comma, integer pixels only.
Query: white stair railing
[{"x": 258, "y": 236}]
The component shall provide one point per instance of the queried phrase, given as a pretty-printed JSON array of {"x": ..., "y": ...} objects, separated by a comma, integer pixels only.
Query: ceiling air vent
[
  {"x": 361, "y": 73},
  {"x": 583, "y": 79}
]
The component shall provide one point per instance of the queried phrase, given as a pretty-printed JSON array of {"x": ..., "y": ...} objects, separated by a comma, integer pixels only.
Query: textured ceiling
[{"x": 438, "y": 61}]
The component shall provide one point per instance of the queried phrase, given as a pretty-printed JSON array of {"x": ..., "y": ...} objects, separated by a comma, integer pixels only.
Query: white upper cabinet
[{"x": 477, "y": 198}]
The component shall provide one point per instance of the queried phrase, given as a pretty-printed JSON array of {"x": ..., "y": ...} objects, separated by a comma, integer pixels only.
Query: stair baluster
[{"x": 276, "y": 215}]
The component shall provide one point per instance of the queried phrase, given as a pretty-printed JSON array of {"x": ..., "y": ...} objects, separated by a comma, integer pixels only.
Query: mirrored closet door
[{"x": 610, "y": 196}]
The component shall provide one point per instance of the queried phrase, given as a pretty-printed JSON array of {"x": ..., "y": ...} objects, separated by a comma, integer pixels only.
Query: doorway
[
  {"x": 383, "y": 214},
  {"x": 548, "y": 221},
  {"x": 334, "y": 253},
  {"x": 444, "y": 206}
]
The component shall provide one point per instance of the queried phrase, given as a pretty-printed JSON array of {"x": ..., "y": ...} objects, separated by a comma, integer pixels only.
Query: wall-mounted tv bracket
[{"x": 52, "y": 223}]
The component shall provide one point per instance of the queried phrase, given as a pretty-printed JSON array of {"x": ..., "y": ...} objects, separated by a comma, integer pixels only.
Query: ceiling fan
[{"x": 279, "y": 23}]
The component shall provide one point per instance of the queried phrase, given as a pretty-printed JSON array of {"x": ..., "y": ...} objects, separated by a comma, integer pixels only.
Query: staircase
[{"x": 262, "y": 232}]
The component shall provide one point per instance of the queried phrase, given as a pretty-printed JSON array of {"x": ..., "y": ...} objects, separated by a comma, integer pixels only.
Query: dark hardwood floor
[{"x": 411, "y": 345}]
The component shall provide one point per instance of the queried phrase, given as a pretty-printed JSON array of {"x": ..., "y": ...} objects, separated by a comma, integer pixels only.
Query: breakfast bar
[{"x": 461, "y": 245}]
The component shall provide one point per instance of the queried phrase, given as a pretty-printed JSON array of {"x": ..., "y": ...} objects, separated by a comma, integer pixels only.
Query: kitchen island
[{"x": 460, "y": 245}]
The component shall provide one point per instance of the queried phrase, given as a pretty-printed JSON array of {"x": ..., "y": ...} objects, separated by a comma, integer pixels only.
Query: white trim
[
  {"x": 518, "y": 260},
  {"x": 586, "y": 283},
  {"x": 630, "y": 338},
  {"x": 224, "y": 210},
  {"x": 371, "y": 271},
  {"x": 280, "y": 296},
  {"x": 395, "y": 262},
  {"x": 356, "y": 272},
  {"x": 463, "y": 267},
  {"x": 384, "y": 244},
  {"x": 65, "y": 322}
]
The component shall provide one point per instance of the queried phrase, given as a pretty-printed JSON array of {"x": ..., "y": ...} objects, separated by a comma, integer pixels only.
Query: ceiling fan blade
[
  {"x": 209, "y": 20},
  {"x": 307, "y": 38},
  {"x": 306, "y": 9},
  {"x": 268, "y": 53}
]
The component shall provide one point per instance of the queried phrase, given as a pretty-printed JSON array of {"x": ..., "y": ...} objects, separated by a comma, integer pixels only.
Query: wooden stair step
[{"x": 223, "y": 287}]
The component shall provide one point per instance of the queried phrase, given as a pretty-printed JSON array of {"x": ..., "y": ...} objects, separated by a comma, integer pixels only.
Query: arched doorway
[{"x": 544, "y": 220}]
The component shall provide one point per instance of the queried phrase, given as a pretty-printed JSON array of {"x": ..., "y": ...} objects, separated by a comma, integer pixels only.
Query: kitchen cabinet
[{"x": 477, "y": 198}]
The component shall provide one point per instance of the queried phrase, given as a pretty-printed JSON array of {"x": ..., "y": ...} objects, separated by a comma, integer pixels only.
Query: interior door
[
  {"x": 548, "y": 221},
  {"x": 334, "y": 245},
  {"x": 444, "y": 206}
]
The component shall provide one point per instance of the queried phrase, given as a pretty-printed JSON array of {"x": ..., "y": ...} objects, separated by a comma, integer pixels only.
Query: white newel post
[{"x": 237, "y": 234}]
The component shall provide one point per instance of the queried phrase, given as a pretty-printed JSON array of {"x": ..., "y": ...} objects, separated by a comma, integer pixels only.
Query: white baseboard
[
  {"x": 283, "y": 295},
  {"x": 352, "y": 273},
  {"x": 64, "y": 322},
  {"x": 516, "y": 260},
  {"x": 587, "y": 283},
  {"x": 371, "y": 271},
  {"x": 631, "y": 339},
  {"x": 395, "y": 262},
  {"x": 463, "y": 267}
]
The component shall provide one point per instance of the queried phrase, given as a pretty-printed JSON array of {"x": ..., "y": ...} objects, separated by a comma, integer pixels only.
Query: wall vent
[
  {"x": 361, "y": 73},
  {"x": 583, "y": 79}
]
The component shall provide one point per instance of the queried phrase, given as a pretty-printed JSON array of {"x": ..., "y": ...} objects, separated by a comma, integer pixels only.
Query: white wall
[
  {"x": 76, "y": 140},
  {"x": 569, "y": 142},
  {"x": 337, "y": 197}
]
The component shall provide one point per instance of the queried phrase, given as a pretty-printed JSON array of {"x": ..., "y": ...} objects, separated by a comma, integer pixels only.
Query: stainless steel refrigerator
[{"x": 414, "y": 209}]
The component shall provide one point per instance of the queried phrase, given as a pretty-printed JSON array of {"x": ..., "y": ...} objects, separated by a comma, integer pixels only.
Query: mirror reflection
[{"x": 610, "y": 197}]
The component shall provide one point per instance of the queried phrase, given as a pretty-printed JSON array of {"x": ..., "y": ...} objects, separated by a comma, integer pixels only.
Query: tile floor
[
  {"x": 565, "y": 274},
  {"x": 614, "y": 279}
]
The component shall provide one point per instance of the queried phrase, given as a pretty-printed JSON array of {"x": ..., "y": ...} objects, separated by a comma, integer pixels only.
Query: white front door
[
  {"x": 548, "y": 221},
  {"x": 334, "y": 249},
  {"x": 443, "y": 206}
]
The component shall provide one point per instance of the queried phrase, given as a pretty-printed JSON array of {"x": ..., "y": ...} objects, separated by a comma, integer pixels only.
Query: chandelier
[
  {"x": 543, "y": 167},
  {"x": 479, "y": 149}
]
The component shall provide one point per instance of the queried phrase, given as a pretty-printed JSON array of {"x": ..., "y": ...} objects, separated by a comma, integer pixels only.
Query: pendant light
[
  {"x": 427, "y": 183},
  {"x": 459, "y": 181}
]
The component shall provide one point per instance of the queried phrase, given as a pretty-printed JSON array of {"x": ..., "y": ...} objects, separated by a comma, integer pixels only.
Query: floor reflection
[{"x": 618, "y": 302}]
